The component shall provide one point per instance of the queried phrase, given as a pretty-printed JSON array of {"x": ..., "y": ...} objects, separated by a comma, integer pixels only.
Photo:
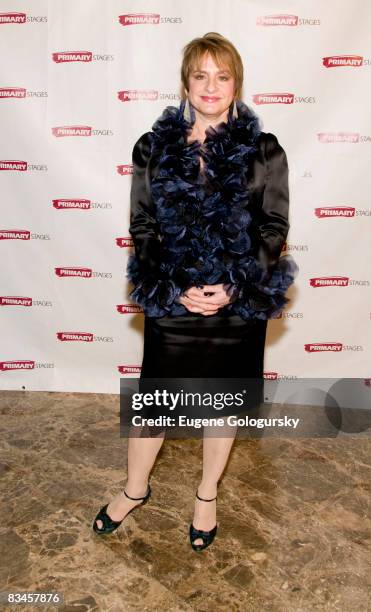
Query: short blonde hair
[{"x": 223, "y": 52}]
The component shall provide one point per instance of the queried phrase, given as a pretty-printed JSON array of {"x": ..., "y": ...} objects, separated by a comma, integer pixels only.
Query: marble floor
[{"x": 293, "y": 516}]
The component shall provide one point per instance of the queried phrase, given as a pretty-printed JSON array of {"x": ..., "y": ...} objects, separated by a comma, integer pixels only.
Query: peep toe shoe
[
  {"x": 206, "y": 536},
  {"x": 108, "y": 524}
]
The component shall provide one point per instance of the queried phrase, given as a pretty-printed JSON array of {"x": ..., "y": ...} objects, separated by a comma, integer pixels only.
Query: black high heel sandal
[
  {"x": 109, "y": 524},
  {"x": 206, "y": 536}
]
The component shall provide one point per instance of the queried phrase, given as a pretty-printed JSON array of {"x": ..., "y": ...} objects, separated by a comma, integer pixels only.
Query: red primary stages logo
[
  {"x": 139, "y": 19},
  {"x": 129, "y": 369},
  {"x": 277, "y": 20},
  {"x": 13, "y": 164},
  {"x": 336, "y": 61},
  {"x": 331, "y": 137},
  {"x": 270, "y": 375},
  {"x": 82, "y": 337},
  {"x": 15, "y": 234},
  {"x": 130, "y": 19},
  {"x": 125, "y": 169},
  {"x": 79, "y": 272},
  {"x": 126, "y": 241},
  {"x": 338, "y": 281},
  {"x": 72, "y": 130},
  {"x": 72, "y": 56},
  {"x": 128, "y": 95},
  {"x": 64, "y": 203},
  {"x": 128, "y": 308},
  {"x": 12, "y": 17},
  {"x": 12, "y": 92},
  {"x": 15, "y": 300},
  {"x": 329, "y": 281},
  {"x": 320, "y": 347},
  {"x": 75, "y": 336},
  {"x": 334, "y": 211},
  {"x": 21, "y": 364},
  {"x": 273, "y": 98}
]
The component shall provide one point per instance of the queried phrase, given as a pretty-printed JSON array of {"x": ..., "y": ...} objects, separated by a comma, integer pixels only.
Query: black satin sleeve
[
  {"x": 273, "y": 220},
  {"x": 153, "y": 291},
  {"x": 143, "y": 225},
  {"x": 265, "y": 298}
]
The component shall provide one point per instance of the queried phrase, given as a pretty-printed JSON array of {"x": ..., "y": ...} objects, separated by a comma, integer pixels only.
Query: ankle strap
[
  {"x": 201, "y": 498},
  {"x": 136, "y": 498}
]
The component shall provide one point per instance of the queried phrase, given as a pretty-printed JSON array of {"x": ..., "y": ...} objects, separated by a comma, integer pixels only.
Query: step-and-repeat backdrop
[{"x": 79, "y": 83}]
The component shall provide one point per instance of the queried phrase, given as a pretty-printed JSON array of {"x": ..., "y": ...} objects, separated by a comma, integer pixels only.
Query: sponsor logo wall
[{"x": 80, "y": 82}]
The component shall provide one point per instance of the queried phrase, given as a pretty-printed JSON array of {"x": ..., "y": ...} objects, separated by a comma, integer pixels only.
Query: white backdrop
[{"x": 79, "y": 83}]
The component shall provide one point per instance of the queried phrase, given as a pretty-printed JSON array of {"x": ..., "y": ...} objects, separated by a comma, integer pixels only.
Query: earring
[
  {"x": 187, "y": 111},
  {"x": 235, "y": 111}
]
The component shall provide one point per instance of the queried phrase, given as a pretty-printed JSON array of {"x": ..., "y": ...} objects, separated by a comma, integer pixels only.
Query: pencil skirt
[{"x": 199, "y": 346}]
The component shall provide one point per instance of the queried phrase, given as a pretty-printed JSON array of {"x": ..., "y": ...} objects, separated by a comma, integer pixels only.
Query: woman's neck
[{"x": 202, "y": 122}]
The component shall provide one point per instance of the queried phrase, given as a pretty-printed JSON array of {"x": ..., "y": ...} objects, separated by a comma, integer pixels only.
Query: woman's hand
[{"x": 216, "y": 297}]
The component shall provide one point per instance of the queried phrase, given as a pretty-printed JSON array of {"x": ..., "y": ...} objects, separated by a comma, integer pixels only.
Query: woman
[{"x": 209, "y": 217}]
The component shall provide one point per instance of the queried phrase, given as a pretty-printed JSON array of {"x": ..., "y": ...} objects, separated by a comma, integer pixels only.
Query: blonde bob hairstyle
[{"x": 224, "y": 54}]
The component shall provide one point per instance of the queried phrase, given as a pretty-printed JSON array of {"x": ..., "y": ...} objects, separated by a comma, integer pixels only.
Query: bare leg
[
  {"x": 142, "y": 453},
  {"x": 216, "y": 451}
]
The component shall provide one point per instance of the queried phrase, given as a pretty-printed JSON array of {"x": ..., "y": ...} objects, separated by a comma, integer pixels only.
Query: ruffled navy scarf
[{"x": 203, "y": 217}]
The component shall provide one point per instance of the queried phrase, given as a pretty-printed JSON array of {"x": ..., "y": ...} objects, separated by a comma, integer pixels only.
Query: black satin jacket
[{"x": 259, "y": 283}]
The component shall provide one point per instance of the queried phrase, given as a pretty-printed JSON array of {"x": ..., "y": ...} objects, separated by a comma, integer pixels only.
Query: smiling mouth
[{"x": 209, "y": 98}]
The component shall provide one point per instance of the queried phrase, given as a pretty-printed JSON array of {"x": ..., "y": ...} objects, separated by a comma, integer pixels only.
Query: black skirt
[{"x": 197, "y": 347}]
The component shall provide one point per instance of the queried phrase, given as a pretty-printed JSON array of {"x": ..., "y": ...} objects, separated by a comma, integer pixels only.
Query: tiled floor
[{"x": 293, "y": 516}]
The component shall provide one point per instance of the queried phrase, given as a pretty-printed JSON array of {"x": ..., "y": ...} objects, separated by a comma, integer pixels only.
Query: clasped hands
[{"x": 195, "y": 300}]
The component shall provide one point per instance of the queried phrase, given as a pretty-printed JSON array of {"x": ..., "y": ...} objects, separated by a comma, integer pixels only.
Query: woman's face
[{"x": 211, "y": 88}]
